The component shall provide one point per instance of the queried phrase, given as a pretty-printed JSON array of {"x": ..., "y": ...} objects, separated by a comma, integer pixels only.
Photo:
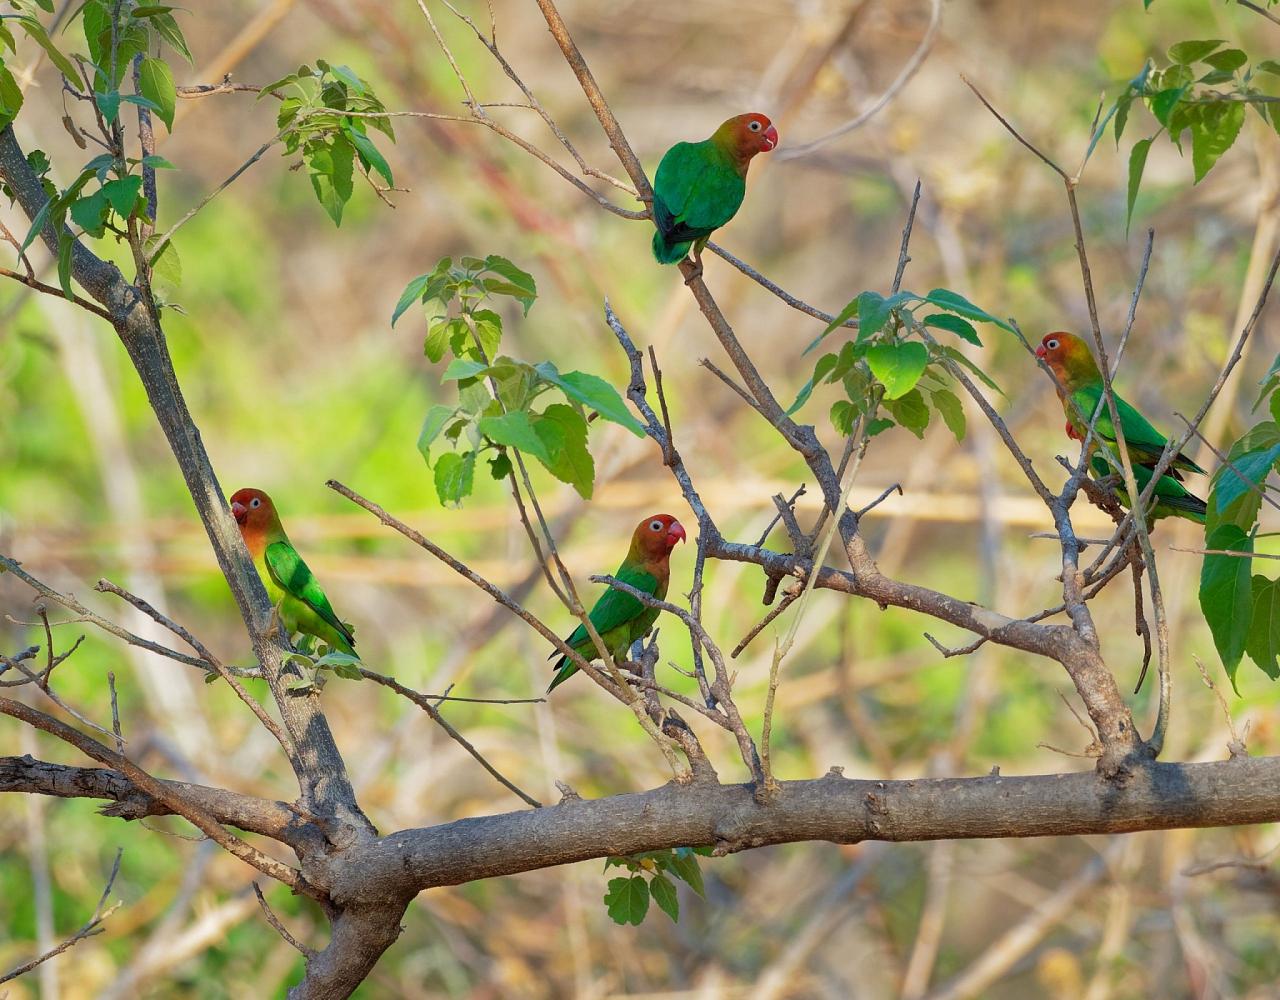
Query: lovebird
[
  {"x": 299, "y": 600},
  {"x": 1072, "y": 362},
  {"x": 700, "y": 185},
  {"x": 618, "y": 617}
]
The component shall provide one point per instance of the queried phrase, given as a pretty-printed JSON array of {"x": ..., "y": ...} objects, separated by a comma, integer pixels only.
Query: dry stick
[
  {"x": 31, "y": 282},
  {"x": 1237, "y": 747},
  {"x": 903, "y": 78},
  {"x": 1259, "y": 10},
  {"x": 274, "y": 921},
  {"x": 163, "y": 793},
  {"x": 270, "y": 724},
  {"x": 92, "y": 926},
  {"x": 424, "y": 702},
  {"x": 1249, "y": 484},
  {"x": 53, "y": 697},
  {"x": 1156, "y": 742},
  {"x": 115, "y": 712}
]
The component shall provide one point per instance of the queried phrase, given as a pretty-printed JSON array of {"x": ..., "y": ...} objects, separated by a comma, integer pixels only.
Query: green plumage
[
  {"x": 618, "y": 617},
  {"x": 302, "y": 604},
  {"x": 1144, "y": 443},
  {"x": 1172, "y": 499},
  {"x": 698, "y": 188}
]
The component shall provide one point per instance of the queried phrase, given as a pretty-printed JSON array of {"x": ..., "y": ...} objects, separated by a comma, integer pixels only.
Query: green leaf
[
  {"x": 157, "y": 162},
  {"x": 516, "y": 283},
  {"x": 10, "y": 97},
  {"x": 973, "y": 369},
  {"x": 369, "y": 155},
  {"x": 955, "y": 302},
  {"x": 592, "y": 392},
  {"x": 434, "y": 423},
  {"x": 1137, "y": 163},
  {"x": 412, "y": 292},
  {"x": 109, "y": 105},
  {"x": 663, "y": 892},
  {"x": 500, "y": 466},
  {"x": 65, "y": 247},
  {"x": 1214, "y": 129},
  {"x": 1233, "y": 494},
  {"x": 487, "y": 325},
  {"x": 41, "y": 37},
  {"x": 1227, "y": 61},
  {"x": 873, "y": 312},
  {"x": 627, "y": 899},
  {"x": 843, "y": 316},
  {"x": 462, "y": 368},
  {"x": 88, "y": 213},
  {"x": 843, "y": 414},
  {"x": 155, "y": 82},
  {"x": 1193, "y": 51},
  {"x": 564, "y": 432},
  {"x": 331, "y": 175},
  {"x": 167, "y": 27},
  {"x": 455, "y": 475},
  {"x": 515, "y": 430},
  {"x": 165, "y": 265},
  {"x": 684, "y": 865},
  {"x": 878, "y": 426},
  {"x": 1226, "y": 595},
  {"x": 910, "y": 411},
  {"x": 1163, "y": 102},
  {"x": 1269, "y": 382},
  {"x": 898, "y": 366},
  {"x": 1263, "y": 641},
  {"x": 961, "y": 327},
  {"x": 948, "y": 404},
  {"x": 123, "y": 194}
]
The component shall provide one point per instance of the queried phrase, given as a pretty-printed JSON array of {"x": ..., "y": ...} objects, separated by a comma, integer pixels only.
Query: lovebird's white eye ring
[
  {"x": 655, "y": 525},
  {"x": 255, "y": 502},
  {"x": 754, "y": 126},
  {"x": 1052, "y": 345}
]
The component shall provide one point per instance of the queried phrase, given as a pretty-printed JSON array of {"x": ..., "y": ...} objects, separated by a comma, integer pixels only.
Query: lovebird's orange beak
[
  {"x": 239, "y": 511},
  {"x": 1041, "y": 352},
  {"x": 675, "y": 534},
  {"x": 771, "y": 136}
]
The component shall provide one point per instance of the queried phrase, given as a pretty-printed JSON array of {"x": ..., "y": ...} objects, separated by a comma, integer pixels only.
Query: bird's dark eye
[
  {"x": 655, "y": 525},
  {"x": 754, "y": 126},
  {"x": 1052, "y": 345},
  {"x": 255, "y": 502}
]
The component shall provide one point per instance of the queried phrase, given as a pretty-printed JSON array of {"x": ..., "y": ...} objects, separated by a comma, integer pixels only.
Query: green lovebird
[
  {"x": 299, "y": 600},
  {"x": 700, "y": 185},
  {"x": 618, "y": 617},
  {"x": 1072, "y": 362}
]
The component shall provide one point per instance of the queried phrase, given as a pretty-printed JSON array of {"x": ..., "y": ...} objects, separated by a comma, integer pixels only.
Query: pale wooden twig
[{"x": 274, "y": 921}]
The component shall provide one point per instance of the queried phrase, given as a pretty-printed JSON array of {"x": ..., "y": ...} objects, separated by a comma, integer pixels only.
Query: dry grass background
[{"x": 294, "y": 376}]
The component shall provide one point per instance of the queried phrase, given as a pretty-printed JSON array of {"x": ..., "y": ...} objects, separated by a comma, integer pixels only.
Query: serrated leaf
[
  {"x": 873, "y": 312},
  {"x": 910, "y": 411},
  {"x": 515, "y": 430},
  {"x": 432, "y": 425},
  {"x": 594, "y": 393},
  {"x": 948, "y": 405},
  {"x": 166, "y": 265},
  {"x": 959, "y": 358},
  {"x": 369, "y": 154},
  {"x": 156, "y": 162},
  {"x": 463, "y": 368},
  {"x": 66, "y": 245},
  {"x": 412, "y": 292},
  {"x": 487, "y": 326},
  {"x": 1214, "y": 129},
  {"x": 454, "y": 477},
  {"x": 1226, "y": 61},
  {"x": 684, "y": 865},
  {"x": 627, "y": 900},
  {"x": 123, "y": 194},
  {"x": 663, "y": 892},
  {"x": 1163, "y": 102},
  {"x": 10, "y": 96},
  {"x": 41, "y": 37},
  {"x": 88, "y": 212},
  {"x": 954, "y": 324},
  {"x": 331, "y": 168},
  {"x": 1188, "y": 52},
  {"x": 1263, "y": 641},
  {"x": 167, "y": 26},
  {"x": 878, "y": 426},
  {"x": 843, "y": 414},
  {"x": 1226, "y": 594},
  {"x": 109, "y": 104},
  {"x": 1137, "y": 164},
  {"x": 564, "y": 432},
  {"x": 515, "y": 282},
  {"x": 155, "y": 82},
  {"x": 898, "y": 366},
  {"x": 954, "y": 302},
  {"x": 1233, "y": 494}
]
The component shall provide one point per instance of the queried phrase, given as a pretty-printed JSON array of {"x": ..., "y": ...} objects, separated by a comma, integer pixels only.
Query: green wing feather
[
  {"x": 612, "y": 611},
  {"x": 1145, "y": 444},
  {"x": 295, "y": 578},
  {"x": 696, "y": 191},
  {"x": 1171, "y": 498}
]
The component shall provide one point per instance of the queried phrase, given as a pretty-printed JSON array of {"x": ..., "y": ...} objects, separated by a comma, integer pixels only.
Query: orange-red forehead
[{"x": 243, "y": 496}]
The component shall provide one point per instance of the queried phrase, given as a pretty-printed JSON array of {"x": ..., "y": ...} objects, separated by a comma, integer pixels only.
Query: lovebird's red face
[
  {"x": 658, "y": 534},
  {"x": 1062, "y": 352},
  {"x": 252, "y": 509},
  {"x": 753, "y": 133}
]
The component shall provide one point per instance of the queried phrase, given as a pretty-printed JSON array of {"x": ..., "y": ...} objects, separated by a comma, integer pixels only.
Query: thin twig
[{"x": 274, "y": 921}]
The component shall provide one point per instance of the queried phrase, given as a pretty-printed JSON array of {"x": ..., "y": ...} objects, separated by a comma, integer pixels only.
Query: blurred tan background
[{"x": 294, "y": 375}]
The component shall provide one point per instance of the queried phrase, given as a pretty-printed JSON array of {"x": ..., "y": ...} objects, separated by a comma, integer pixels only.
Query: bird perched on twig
[
  {"x": 700, "y": 185},
  {"x": 620, "y": 618},
  {"x": 300, "y": 602},
  {"x": 1081, "y": 384}
]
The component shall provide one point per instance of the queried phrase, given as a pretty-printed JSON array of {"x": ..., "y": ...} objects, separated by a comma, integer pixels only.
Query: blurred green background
[{"x": 294, "y": 376}]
